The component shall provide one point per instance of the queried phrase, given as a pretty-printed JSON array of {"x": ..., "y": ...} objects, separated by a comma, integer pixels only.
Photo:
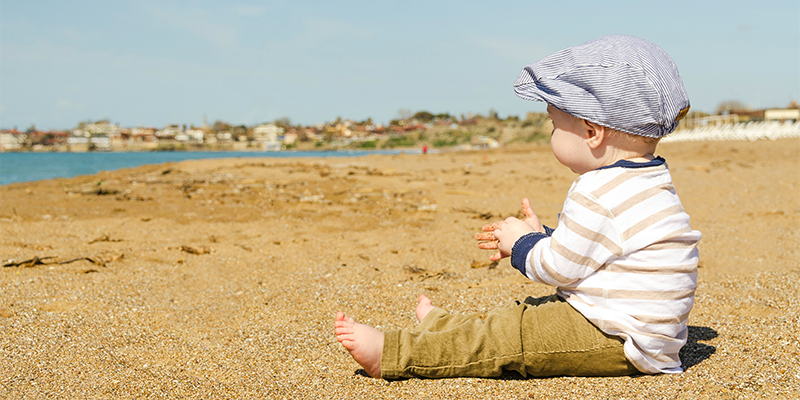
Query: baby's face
[{"x": 568, "y": 141}]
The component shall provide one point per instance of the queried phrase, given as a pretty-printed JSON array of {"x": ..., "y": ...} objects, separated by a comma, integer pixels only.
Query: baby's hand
[
  {"x": 502, "y": 235},
  {"x": 486, "y": 240},
  {"x": 530, "y": 216},
  {"x": 507, "y": 233}
]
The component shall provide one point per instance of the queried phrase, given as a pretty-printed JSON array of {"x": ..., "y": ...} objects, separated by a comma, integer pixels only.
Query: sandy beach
[{"x": 221, "y": 278}]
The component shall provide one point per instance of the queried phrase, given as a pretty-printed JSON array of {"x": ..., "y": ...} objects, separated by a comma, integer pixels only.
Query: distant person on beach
[{"x": 623, "y": 257}]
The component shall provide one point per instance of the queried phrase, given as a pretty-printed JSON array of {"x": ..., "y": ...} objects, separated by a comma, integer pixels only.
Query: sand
[{"x": 221, "y": 278}]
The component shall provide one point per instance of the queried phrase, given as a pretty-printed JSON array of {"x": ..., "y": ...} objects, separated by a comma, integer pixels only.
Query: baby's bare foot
[
  {"x": 364, "y": 343},
  {"x": 424, "y": 307}
]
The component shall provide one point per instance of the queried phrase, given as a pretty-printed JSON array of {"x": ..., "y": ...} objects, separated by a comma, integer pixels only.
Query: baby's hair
[
  {"x": 633, "y": 138},
  {"x": 627, "y": 136}
]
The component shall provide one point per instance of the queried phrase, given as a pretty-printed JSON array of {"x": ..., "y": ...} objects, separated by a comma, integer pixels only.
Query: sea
[{"x": 26, "y": 167}]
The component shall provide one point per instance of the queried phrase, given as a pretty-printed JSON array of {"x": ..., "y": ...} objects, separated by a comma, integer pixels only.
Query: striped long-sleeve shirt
[{"x": 624, "y": 256}]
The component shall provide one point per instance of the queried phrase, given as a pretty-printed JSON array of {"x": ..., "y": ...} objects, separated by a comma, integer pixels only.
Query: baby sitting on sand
[{"x": 623, "y": 258}]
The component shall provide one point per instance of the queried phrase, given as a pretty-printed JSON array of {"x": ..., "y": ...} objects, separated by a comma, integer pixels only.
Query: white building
[
  {"x": 74, "y": 140},
  {"x": 97, "y": 128},
  {"x": 792, "y": 114},
  {"x": 101, "y": 142},
  {"x": 267, "y": 136},
  {"x": 195, "y": 135},
  {"x": 170, "y": 131},
  {"x": 12, "y": 141},
  {"x": 267, "y": 132}
]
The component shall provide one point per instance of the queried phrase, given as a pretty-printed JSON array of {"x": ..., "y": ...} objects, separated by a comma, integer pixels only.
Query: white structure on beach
[
  {"x": 782, "y": 115},
  {"x": 742, "y": 131},
  {"x": 777, "y": 123}
]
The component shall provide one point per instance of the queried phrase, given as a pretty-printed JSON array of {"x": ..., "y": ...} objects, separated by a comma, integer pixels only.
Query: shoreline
[{"x": 42, "y": 166}]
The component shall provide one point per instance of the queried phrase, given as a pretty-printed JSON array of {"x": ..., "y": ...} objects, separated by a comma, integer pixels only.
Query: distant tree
[
  {"x": 240, "y": 130},
  {"x": 220, "y": 126},
  {"x": 444, "y": 116},
  {"x": 423, "y": 116},
  {"x": 283, "y": 122}
]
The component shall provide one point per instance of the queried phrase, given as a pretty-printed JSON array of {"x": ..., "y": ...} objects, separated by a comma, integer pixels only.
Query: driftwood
[
  {"x": 30, "y": 262},
  {"x": 97, "y": 260},
  {"x": 196, "y": 250},
  {"x": 104, "y": 238}
]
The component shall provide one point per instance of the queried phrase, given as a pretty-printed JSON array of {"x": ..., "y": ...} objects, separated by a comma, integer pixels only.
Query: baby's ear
[{"x": 595, "y": 134}]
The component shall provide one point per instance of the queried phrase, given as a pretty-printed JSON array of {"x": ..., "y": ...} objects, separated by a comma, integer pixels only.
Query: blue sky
[{"x": 151, "y": 63}]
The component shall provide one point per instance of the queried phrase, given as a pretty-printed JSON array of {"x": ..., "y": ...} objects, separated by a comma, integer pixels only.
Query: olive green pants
[{"x": 540, "y": 337}]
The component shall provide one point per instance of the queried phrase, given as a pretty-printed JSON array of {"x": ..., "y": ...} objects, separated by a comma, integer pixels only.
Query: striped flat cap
[{"x": 619, "y": 81}]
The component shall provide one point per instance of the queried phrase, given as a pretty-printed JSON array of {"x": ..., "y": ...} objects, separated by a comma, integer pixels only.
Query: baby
[{"x": 623, "y": 258}]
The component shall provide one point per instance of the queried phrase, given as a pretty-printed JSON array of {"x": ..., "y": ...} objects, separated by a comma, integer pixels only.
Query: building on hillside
[
  {"x": 266, "y": 136},
  {"x": 290, "y": 137},
  {"x": 12, "y": 140},
  {"x": 194, "y": 135},
  {"x": 224, "y": 137},
  {"x": 100, "y": 142},
  {"x": 97, "y": 128},
  {"x": 141, "y": 134},
  {"x": 44, "y": 140},
  {"x": 78, "y": 143},
  {"x": 169, "y": 132}
]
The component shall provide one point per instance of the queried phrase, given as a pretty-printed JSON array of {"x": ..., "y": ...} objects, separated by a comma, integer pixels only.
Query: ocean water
[{"x": 26, "y": 167}]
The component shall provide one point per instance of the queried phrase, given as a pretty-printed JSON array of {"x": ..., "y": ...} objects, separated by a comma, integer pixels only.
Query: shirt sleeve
[{"x": 585, "y": 239}]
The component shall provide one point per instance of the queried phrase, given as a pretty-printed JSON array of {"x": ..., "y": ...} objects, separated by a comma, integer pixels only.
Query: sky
[{"x": 153, "y": 63}]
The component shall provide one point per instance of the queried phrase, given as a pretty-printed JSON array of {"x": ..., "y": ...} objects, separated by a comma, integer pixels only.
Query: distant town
[{"x": 420, "y": 129}]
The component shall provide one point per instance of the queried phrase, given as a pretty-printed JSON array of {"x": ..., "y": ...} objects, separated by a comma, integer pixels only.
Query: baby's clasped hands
[{"x": 502, "y": 235}]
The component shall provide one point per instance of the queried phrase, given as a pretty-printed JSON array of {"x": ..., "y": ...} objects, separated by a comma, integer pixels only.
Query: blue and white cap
[{"x": 619, "y": 81}]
